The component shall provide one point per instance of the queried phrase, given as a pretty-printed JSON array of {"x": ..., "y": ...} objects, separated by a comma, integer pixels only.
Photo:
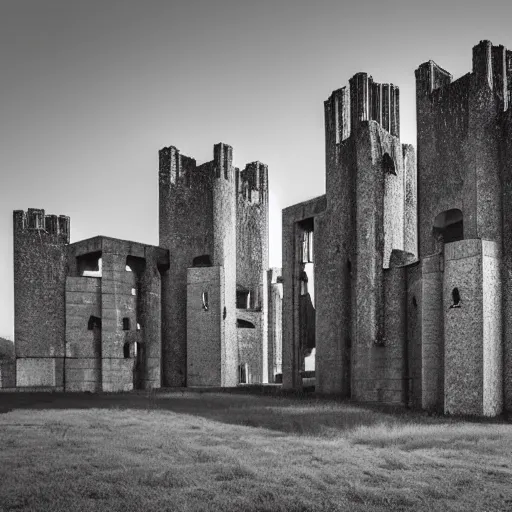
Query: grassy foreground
[{"x": 192, "y": 451}]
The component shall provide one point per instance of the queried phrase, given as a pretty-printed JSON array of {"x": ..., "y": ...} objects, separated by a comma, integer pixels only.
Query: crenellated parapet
[
  {"x": 35, "y": 219},
  {"x": 492, "y": 70},
  {"x": 252, "y": 183},
  {"x": 364, "y": 100},
  {"x": 177, "y": 170}
]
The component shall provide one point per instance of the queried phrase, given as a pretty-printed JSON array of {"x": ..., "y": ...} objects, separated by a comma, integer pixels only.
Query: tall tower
[
  {"x": 462, "y": 226},
  {"x": 252, "y": 265},
  {"x": 40, "y": 259},
  {"x": 198, "y": 226}
]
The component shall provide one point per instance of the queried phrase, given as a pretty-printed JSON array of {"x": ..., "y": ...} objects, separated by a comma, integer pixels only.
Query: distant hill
[{"x": 6, "y": 349}]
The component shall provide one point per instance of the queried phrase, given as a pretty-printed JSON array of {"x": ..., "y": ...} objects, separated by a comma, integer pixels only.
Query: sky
[{"x": 91, "y": 90}]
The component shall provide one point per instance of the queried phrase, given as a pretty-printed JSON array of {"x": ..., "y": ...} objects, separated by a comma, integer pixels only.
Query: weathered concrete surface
[
  {"x": 40, "y": 372},
  {"x": 292, "y": 238},
  {"x": 40, "y": 243},
  {"x": 473, "y": 348},
  {"x": 205, "y": 304},
  {"x": 83, "y": 345},
  {"x": 249, "y": 345},
  {"x": 275, "y": 323}
]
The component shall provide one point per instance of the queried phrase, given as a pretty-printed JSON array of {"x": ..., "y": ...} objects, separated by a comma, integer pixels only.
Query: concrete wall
[
  {"x": 432, "y": 333},
  {"x": 414, "y": 342},
  {"x": 506, "y": 152},
  {"x": 39, "y": 283},
  {"x": 204, "y": 326},
  {"x": 473, "y": 351},
  {"x": 224, "y": 254},
  {"x": 151, "y": 318},
  {"x": 40, "y": 243},
  {"x": 275, "y": 323},
  {"x": 186, "y": 230},
  {"x": 291, "y": 233},
  {"x": 43, "y": 372},
  {"x": 492, "y": 329},
  {"x": 251, "y": 186},
  {"x": 118, "y": 301},
  {"x": 83, "y": 346},
  {"x": 7, "y": 373},
  {"x": 249, "y": 345}
]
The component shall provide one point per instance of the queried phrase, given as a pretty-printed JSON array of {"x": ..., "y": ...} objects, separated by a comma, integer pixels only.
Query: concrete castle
[
  {"x": 107, "y": 314},
  {"x": 397, "y": 281},
  {"x": 411, "y": 266}
]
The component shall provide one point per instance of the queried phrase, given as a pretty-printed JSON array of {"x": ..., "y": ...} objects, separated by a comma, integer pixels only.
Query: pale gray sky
[{"x": 90, "y": 90}]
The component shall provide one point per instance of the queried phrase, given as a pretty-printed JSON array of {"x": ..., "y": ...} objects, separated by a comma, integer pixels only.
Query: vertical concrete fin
[
  {"x": 51, "y": 224},
  {"x": 482, "y": 62},
  {"x": 499, "y": 74},
  {"x": 223, "y": 160},
  {"x": 430, "y": 76},
  {"x": 359, "y": 98},
  {"x": 386, "y": 94},
  {"x": 169, "y": 165}
]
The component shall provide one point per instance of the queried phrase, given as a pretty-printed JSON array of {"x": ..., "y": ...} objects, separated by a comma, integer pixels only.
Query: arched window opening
[
  {"x": 449, "y": 226},
  {"x": 244, "y": 324},
  {"x": 388, "y": 164},
  {"x": 455, "y": 298},
  {"x": 202, "y": 261}
]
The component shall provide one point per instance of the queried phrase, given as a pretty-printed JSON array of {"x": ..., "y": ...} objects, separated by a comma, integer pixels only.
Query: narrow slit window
[
  {"x": 205, "y": 301},
  {"x": 126, "y": 324},
  {"x": 455, "y": 298},
  {"x": 388, "y": 164},
  {"x": 126, "y": 350}
]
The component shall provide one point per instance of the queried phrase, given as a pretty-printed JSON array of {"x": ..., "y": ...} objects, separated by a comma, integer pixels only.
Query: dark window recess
[
  {"x": 135, "y": 264},
  {"x": 455, "y": 298},
  {"x": 126, "y": 350},
  {"x": 94, "y": 321},
  {"x": 205, "y": 301},
  {"x": 242, "y": 299},
  {"x": 244, "y": 324},
  {"x": 242, "y": 374},
  {"x": 449, "y": 226},
  {"x": 388, "y": 164},
  {"x": 224, "y": 313},
  {"x": 88, "y": 262},
  {"x": 202, "y": 261},
  {"x": 307, "y": 226},
  {"x": 414, "y": 302},
  {"x": 126, "y": 324}
]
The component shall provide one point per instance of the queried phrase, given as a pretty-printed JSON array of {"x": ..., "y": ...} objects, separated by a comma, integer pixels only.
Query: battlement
[
  {"x": 252, "y": 183},
  {"x": 492, "y": 68},
  {"x": 180, "y": 170},
  {"x": 35, "y": 219},
  {"x": 223, "y": 161},
  {"x": 364, "y": 100}
]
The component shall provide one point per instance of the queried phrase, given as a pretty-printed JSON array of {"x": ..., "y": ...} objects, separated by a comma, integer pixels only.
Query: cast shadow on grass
[{"x": 287, "y": 413}]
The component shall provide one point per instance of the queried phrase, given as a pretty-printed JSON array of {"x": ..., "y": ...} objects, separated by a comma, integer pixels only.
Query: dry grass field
[{"x": 212, "y": 451}]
